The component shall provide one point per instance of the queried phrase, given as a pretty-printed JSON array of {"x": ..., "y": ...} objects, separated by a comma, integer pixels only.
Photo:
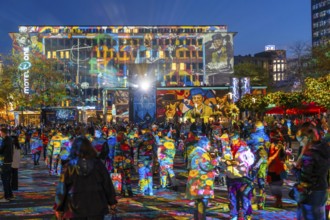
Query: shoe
[{"x": 4, "y": 200}]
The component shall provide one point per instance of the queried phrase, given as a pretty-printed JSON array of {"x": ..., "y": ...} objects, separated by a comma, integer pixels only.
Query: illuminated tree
[
  {"x": 252, "y": 102},
  {"x": 318, "y": 90},
  {"x": 46, "y": 85}
]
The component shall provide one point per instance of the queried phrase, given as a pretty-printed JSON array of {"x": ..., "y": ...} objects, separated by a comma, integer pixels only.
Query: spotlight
[{"x": 145, "y": 85}]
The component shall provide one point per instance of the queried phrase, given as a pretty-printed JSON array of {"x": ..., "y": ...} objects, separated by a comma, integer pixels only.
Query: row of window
[
  {"x": 129, "y": 55},
  {"x": 321, "y": 23},
  {"x": 127, "y": 30},
  {"x": 322, "y": 41},
  {"x": 320, "y": 4},
  {"x": 62, "y": 43},
  {"x": 279, "y": 67},
  {"x": 278, "y": 76},
  {"x": 321, "y": 14},
  {"x": 321, "y": 33}
]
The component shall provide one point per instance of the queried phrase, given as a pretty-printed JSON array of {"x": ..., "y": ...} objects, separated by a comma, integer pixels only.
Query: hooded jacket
[{"x": 85, "y": 189}]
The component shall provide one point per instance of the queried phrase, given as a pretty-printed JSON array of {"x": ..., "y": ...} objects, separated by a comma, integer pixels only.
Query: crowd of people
[{"x": 245, "y": 156}]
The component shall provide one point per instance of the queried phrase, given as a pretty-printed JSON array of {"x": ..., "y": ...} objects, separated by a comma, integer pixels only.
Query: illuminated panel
[
  {"x": 245, "y": 86},
  {"x": 235, "y": 96}
]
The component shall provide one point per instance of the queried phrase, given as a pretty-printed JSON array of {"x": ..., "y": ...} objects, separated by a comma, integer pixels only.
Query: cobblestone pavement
[{"x": 35, "y": 199}]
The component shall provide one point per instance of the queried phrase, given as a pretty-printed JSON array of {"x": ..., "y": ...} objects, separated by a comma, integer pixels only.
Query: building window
[
  {"x": 182, "y": 66},
  {"x": 181, "y": 54},
  {"x": 279, "y": 67},
  {"x": 188, "y": 54},
  {"x": 161, "y": 54},
  {"x": 173, "y": 66},
  {"x": 194, "y": 66},
  {"x": 148, "y": 54},
  {"x": 200, "y": 53}
]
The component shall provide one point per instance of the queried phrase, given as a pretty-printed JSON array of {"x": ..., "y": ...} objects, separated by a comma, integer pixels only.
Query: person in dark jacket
[
  {"x": 6, "y": 151},
  {"x": 85, "y": 189},
  {"x": 313, "y": 167}
]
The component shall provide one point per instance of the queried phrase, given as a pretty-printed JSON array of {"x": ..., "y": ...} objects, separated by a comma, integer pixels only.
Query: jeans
[
  {"x": 200, "y": 212},
  {"x": 6, "y": 179},
  {"x": 314, "y": 207},
  {"x": 36, "y": 157},
  {"x": 237, "y": 197}
]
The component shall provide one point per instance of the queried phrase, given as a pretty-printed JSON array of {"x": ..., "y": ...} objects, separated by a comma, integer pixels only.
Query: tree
[
  {"x": 320, "y": 61},
  {"x": 46, "y": 84},
  {"x": 253, "y": 103},
  {"x": 298, "y": 65},
  {"x": 257, "y": 74},
  {"x": 318, "y": 90}
]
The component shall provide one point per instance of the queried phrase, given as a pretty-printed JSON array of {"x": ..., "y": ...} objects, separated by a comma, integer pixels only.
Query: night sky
[{"x": 257, "y": 22}]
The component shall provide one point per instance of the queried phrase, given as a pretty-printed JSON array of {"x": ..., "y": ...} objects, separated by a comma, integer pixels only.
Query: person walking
[
  {"x": 85, "y": 190},
  {"x": 200, "y": 184},
  {"x": 166, "y": 153},
  {"x": 258, "y": 142},
  {"x": 276, "y": 171},
  {"x": 16, "y": 161},
  {"x": 6, "y": 150},
  {"x": 313, "y": 166},
  {"x": 239, "y": 183},
  {"x": 36, "y": 147},
  {"x": 145, "y": 161}
]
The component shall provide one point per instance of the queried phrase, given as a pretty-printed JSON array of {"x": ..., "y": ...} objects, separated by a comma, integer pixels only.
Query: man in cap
[
  {"x": 216, "y": 56},
  {"x": 199, "y": 110}
]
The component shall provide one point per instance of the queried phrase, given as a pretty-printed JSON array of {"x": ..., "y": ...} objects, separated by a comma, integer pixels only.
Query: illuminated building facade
[{"x": 95, "y": 59}]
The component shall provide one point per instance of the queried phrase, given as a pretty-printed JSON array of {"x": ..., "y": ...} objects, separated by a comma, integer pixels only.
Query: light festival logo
[{"x": 25, "y": 66}]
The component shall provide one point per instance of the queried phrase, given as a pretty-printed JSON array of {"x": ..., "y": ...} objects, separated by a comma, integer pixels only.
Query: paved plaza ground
[{"x": 35, "y": 199}]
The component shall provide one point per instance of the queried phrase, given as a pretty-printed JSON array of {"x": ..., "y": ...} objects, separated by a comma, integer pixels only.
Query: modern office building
[{"x": 320, "y": 10}]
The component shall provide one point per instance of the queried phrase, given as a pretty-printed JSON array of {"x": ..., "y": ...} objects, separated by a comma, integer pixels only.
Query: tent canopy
[{"x": 306, "y": 108}]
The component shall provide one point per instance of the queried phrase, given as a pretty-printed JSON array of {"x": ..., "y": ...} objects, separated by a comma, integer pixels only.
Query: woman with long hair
[{"x": 85, "y": 189}]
